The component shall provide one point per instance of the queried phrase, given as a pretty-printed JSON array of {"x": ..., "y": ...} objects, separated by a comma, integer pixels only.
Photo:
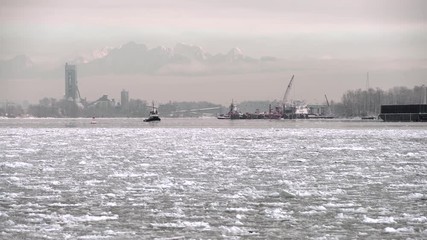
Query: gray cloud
[{"x": 183, "y": 59}]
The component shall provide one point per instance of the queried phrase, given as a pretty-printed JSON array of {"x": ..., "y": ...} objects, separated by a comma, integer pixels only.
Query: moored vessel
[{"x": 404, "y": 113}]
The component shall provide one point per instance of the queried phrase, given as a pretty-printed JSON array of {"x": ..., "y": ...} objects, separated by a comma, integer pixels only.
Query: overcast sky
[{"x": 329, "y": 45}]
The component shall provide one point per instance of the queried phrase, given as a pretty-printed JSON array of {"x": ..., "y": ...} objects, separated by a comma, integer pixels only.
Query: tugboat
[
  {"x": 93, "y": 121},
  {"x": 232, "y": 113},
  {"x": 154, "y": 116}
]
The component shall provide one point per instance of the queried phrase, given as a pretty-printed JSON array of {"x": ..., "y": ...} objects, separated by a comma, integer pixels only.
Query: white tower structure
[{"x": 71, "y": 89}]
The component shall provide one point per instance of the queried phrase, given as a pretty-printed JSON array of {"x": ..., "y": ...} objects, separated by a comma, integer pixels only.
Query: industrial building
[{"x": 124, "y": 101}]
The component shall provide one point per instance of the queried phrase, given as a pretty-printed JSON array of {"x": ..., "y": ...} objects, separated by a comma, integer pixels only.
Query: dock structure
[{"x": 404, "y": 113}]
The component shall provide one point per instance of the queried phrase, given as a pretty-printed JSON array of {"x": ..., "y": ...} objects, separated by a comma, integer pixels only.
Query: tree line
[{"x": 368, "y": 102}]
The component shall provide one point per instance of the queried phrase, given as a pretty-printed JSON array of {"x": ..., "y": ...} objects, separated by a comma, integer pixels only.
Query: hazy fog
[{"x": 210, "y": 50}]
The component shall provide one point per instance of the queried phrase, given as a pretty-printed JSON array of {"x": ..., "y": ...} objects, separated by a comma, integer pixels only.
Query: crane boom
[
  {"x": 199, "y": 109},
  {"x": 327, "y": 102},
  {"x": 288, "y": 90}
]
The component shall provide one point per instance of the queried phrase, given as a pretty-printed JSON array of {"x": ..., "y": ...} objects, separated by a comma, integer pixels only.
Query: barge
[{"x": 404, "y": 113}]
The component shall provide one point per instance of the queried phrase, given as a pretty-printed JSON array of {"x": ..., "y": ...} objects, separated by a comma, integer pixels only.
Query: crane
[
  {"x": 288, "y": 90},
  {"x": 327, "y": 102},
  {"x": 329, "y": 111}
]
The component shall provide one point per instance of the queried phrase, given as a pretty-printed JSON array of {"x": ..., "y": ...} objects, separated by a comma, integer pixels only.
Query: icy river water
[{"x": 212, "y": 179}]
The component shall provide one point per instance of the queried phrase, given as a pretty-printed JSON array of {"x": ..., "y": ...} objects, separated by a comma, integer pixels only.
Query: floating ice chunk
[
  {"x": 52, "y": 228},
  {"x": 415, "y": 196},
  {"x": 110, "y": 204},
  {"x": 110, "y": 232},
  {"x": 277, "y": 213},
  {"x": 188, "y": 183},
  {"x": 174, "y": 215},
  {"x": 48, "y": 169},
  {"x": 285, "y": 194},
  {"x": 411, "y": 154},
  {"x": 2, "y": 214},
  {"x": 239, "y": 209},
  {"x": 94, "y": 237},
  {"x": 318, "y": 208},
  {"x": 93, "y": 182},
  {"x": 87, "y": 218},
  {"x": 196, "y": 224},
  {"x": 233, "y": 230},
  {"x": 250, "y": 193},
  {"x": 338, "y": 191},
  {"x": 414, "y": 218},
  {"x": 15, "y": 179},
  {"x": 304, "y": 194},
  {"x": 55, "y": 183},
  {"x": 184, "y": 224},
  {"x": 111, "y": 195},
  {"x": 390, "y": 230},
  {"x": 312, "y": 212},
  {"x": 398, "y": 230},
  {"x": 419, "y": 219},
  {"x": 300, "y": 160},
  {"x": 342, "y": 216},
  {"x": 17, "y": 165},
  {"x": 378, "y": 220}
]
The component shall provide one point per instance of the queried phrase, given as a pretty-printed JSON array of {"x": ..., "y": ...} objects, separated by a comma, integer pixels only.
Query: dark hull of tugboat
[
  {"x": 223, "y": 117},
  {"x": 152, "y": 119},
  {"x": 369, "y": 118}
]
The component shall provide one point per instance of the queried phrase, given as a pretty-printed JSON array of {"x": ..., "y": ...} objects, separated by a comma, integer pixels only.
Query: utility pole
[
  {"x": 425, "y": 94},
  {"x": 367, "y": 100},
  {"x": 329, "y": 111}
]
